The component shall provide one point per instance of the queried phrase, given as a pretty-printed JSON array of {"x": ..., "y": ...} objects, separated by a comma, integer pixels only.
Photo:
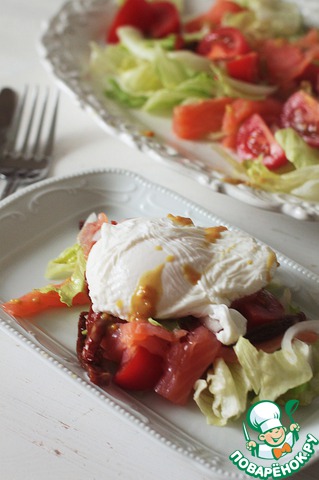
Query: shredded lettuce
[
  {"x": 145, "y": 73},
  {"x": 230, "y": 87},
  {"x": 302, "y": 182},
  {"x": 266, "y": 18},
  {"x": 296, "y": 149},
  {"x": 133, "y": 40}
]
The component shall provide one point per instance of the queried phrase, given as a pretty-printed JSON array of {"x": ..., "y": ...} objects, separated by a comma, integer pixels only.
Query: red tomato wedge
[
  {"x": 223, "y": 43},
  {"x": 254, "y": 138},
  {"x": 141, "y": 371},
  {"x": 136, "y": 13},
  {"x": 301, "y": 112},
  {"x": 241, "y": 109},
  {"x": 165, "y": 20},
  {"x": 244, "y": 67},
  {"x": 36, "y": 302},
  {"x": 154, "y": 19},
  {"x": 185, "y": 363},
  {"x": 196, "y": 120},
  {"x": 213, "y": 16}
]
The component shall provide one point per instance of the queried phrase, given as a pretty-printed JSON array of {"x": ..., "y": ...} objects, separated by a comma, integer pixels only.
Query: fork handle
[{"x": 12, "y": 182}]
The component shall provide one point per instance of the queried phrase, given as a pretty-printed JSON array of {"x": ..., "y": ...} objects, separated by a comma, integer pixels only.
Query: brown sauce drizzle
[
  {"x": 182, "y": 221},
  {"x": 213, "y": 233},
  {"x": 272, "y": 259},
  {"x": 147, "y": 294},
  {"x": 192, "y": 275}
]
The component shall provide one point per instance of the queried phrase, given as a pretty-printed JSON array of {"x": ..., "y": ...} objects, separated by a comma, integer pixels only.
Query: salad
[
  {"x": 191, "y": 313},
  {"x": 243, "y": 75}
]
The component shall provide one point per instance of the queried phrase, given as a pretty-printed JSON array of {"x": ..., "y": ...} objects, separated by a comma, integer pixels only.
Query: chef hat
[{"x": 264, "y": 416}]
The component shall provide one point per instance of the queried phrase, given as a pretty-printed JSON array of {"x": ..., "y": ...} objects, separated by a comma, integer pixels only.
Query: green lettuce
[
  {"x": 266, "y": 19},
  {"x": 298, "y": 152},
  {"x": 273, "y": 374},
  {"x": 222, "y": 396},
  {"x": 302, "y": 182},
  {"x": 228, "y": 388},
  {"x": 145, "y": 73},
  {"x": 306, "y": 392},
  {"x": 230, "y": 87},
  {"x": 69, "y": 266}
]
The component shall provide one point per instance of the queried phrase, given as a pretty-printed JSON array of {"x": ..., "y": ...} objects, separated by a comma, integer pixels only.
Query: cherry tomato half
[
  {"x": 254, "y": 138},
  {"x": 223, "y": 43},
  {"x": 301, "y": 112}
]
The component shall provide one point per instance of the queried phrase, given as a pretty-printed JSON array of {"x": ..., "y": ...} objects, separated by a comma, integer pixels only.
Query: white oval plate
[
  {"x": 65, "y": 50},
  {"x": 46, "y": 216}
]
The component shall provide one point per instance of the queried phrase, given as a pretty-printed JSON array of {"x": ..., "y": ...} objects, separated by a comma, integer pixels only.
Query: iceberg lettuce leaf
[
  {"x": 273, "y": 374},
  {"x": 296, "y": 149},
  {"x": 222, "y": 396},
  {"x": 71, "y": 265},
  {"x": 302, "y": 182},
  {"x": 64, "y": 264},
  {"x": 306, "y": 392}
]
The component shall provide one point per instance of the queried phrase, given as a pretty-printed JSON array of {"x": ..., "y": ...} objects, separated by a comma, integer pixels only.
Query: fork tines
[{"x": 26, "y": 138}]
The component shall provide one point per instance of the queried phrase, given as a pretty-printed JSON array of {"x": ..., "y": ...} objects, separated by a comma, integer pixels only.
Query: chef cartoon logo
[{"x": 273, "y": 440}]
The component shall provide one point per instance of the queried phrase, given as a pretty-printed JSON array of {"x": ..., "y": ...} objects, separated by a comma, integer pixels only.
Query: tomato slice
[
  {"x": 244, "y": 67},
  {"x": 195, "y": 120},
  {"x": 259, "y": 308},
  {"x": 155, "y": 19},
  {"x": 141, "y": 371},
  {"x": 223, "y": 43},
  {"x": 254, "y": 138},
  {"x": 36, "y": 302},
  {"x": 301, "y": 112}
]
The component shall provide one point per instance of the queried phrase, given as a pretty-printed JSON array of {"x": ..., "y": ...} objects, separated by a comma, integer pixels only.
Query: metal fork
[{"x": 29, "y": 162}]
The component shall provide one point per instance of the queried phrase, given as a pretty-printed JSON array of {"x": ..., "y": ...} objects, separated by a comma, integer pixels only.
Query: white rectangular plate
[
  {"x": 65, "y": 50},
  {"x": 40, "y": 221}
]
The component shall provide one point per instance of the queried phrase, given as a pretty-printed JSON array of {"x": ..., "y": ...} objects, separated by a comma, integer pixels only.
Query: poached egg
[{"x": 169, "y": 268}]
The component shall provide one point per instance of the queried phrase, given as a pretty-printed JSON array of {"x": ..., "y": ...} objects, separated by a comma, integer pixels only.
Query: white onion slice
[{"x": 306, "y": 326}]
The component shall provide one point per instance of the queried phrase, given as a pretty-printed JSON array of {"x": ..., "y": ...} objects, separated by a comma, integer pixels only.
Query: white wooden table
[{"x": 50, "y": 427}]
